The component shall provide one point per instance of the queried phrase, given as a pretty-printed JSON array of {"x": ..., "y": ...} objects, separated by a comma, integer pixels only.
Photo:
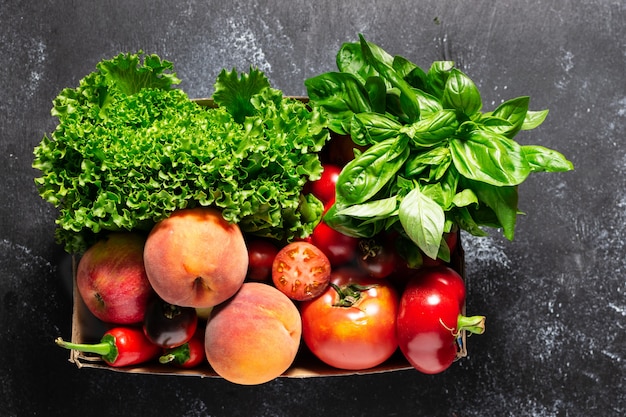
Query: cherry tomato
[
  {"x": 352, "y": 325},
  {"x": 168, "y": 325},
  {"x": 377, "y": 257},
  {"x": 301, "y": 271},
  {"x": 324, "y": 188},
  {"x": 188, "y": 355},
  {"x": 261, "y": 254},
  {"x": 339, "y": 248}
]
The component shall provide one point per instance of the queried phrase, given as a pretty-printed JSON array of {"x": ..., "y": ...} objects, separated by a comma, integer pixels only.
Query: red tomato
[
  {"x": 188, "y": 355},
  {"x": 168, "y": 325},
  {"x": 339, "y": 248},
  {"x": 261, "y": 254},
  {"x": 430, "y": 320},
  {"x": 324, "y": 188},
  {"x": 352, "y": 324},
  {"x": 301, "y": 271},
  {"x": 377, "y": 257}
]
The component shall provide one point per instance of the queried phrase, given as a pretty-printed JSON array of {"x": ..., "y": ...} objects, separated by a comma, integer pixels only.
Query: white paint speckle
[
  {"x": 484, "y": 250},
  {"x": 620, "y": 309},
  {"x": 36, "y": 57},
  {"x": 566, "y": 61},
  {"x": 621, "y": 111}
]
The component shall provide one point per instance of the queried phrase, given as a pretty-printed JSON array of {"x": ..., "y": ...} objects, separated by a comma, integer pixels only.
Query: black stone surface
[{"x": 554, "y": 297}]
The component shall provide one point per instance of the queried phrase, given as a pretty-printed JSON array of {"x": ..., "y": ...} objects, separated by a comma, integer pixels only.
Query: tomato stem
[
  {"x": 370, "y": 248},
  {"x": 472, "y": 324},
  {"x": 349, "y": 294}
]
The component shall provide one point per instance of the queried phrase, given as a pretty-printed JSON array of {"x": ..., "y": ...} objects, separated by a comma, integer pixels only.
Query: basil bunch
[{"x": 433, "y": 159}]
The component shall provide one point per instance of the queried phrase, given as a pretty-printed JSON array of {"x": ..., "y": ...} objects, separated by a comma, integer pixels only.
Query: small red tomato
[
  {"x": 430, "y": 320},
  {"x": 301, "y": 271},
  {"x": 168, "y": 325},
  {"x": 188, "y": 355},
  {"x": 377, "y": 257},
  {"x": 324, "y": 188},
  {"x": 339, "y": 248},
  {"x": 261, "y": 254},
  {"x": 352, "y": 324}
]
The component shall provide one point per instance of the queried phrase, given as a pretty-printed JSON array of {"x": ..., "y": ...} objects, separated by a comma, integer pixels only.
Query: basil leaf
[
  {"x": 404, "y": 67},
  {"x": 407, "y": 96},
  {"x": 427, "y": 103},
  {"x": 465, "y": 198},
  {"x": 437, "y": 77},
  {"x": 463, "y": 218},
  {"x": 350, "y": 60},
  {"x": 423, "y": 221},
  {"x": 377, "y": 128},
  {"x": 444, "y": 190},
  {"x": 534, "y": 119},
  {"x": 438, "y": 156},
  {"x": 542, "y": 159},
  {"x": 495, "y": 124},
  {"x": 417, "y": 78},
  {"x": 513, "y": 111},
  {"x": 364, "y": 176},
  {"x": 339, "y": 95},
  {"x": 460, "y": 93},
  {"x": 377, "y": 93},
  {"x": 432, "y": 130},
  {"x": 503, "y": 201},
  {"x": 376, "y": 208},
  {"x": 351, "y": 226},
  {"x": 491, "y": 158}
]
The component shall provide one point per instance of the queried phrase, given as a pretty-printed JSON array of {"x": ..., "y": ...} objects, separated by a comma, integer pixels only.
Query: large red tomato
[
  {"x": 352, "y": 325},
  {"x": 430, "y": 319}
]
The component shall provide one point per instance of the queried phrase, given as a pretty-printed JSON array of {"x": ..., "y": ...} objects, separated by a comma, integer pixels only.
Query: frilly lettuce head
[{"x": 129, "y": 149}]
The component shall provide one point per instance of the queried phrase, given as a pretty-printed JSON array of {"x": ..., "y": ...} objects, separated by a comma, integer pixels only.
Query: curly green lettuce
[{"x": 129, "y": 149}]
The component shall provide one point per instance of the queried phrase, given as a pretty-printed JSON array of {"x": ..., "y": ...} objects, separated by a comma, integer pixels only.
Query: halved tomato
[{"x": 301, "y": 271}]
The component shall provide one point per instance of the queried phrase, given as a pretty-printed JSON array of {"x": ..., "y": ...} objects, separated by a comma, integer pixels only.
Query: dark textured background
[{"x": 555, "y": 296}]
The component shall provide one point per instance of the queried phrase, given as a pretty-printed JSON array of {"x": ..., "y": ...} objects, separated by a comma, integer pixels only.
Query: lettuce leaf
[{"x": 129, "y": 149}]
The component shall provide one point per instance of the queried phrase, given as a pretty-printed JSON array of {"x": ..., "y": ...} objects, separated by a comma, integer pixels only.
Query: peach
[
  {"x": 253, "y": 337},
  {"x": 195, "y": 258}
]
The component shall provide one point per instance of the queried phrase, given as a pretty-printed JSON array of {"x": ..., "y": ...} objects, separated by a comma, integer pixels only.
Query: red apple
[{"x": 112, "y": 280}]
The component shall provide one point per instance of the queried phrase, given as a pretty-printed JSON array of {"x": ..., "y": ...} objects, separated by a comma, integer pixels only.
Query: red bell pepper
[
  {"x": 430, "y": 321},
  {"x": 119, "y": 346}
]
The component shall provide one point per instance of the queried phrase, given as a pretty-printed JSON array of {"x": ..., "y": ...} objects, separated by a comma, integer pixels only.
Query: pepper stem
[
  {"x": 102, "y": 348},
  {"x": 473, "y": 324}
]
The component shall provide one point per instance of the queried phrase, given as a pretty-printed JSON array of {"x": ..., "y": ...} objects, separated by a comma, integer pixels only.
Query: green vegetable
[
  {"x": 129, "y": 149},
  {"x": 434, "y": 159}
]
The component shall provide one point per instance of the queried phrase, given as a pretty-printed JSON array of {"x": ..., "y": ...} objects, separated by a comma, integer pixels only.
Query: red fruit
[
  {"x": 301, "y": 271},
  {"x": 430, "y": 320},
  {"x": 112, "y": 280}
]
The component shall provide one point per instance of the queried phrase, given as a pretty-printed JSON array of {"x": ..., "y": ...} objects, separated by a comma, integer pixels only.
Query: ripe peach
[
  {"x": 253, "y": 337},
  {"x": 195, "y": 258},
  {"x": 112, "y": 281}
]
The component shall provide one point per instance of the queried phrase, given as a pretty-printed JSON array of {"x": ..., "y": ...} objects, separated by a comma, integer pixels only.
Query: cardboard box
[{"x": 86, "y": 328}]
